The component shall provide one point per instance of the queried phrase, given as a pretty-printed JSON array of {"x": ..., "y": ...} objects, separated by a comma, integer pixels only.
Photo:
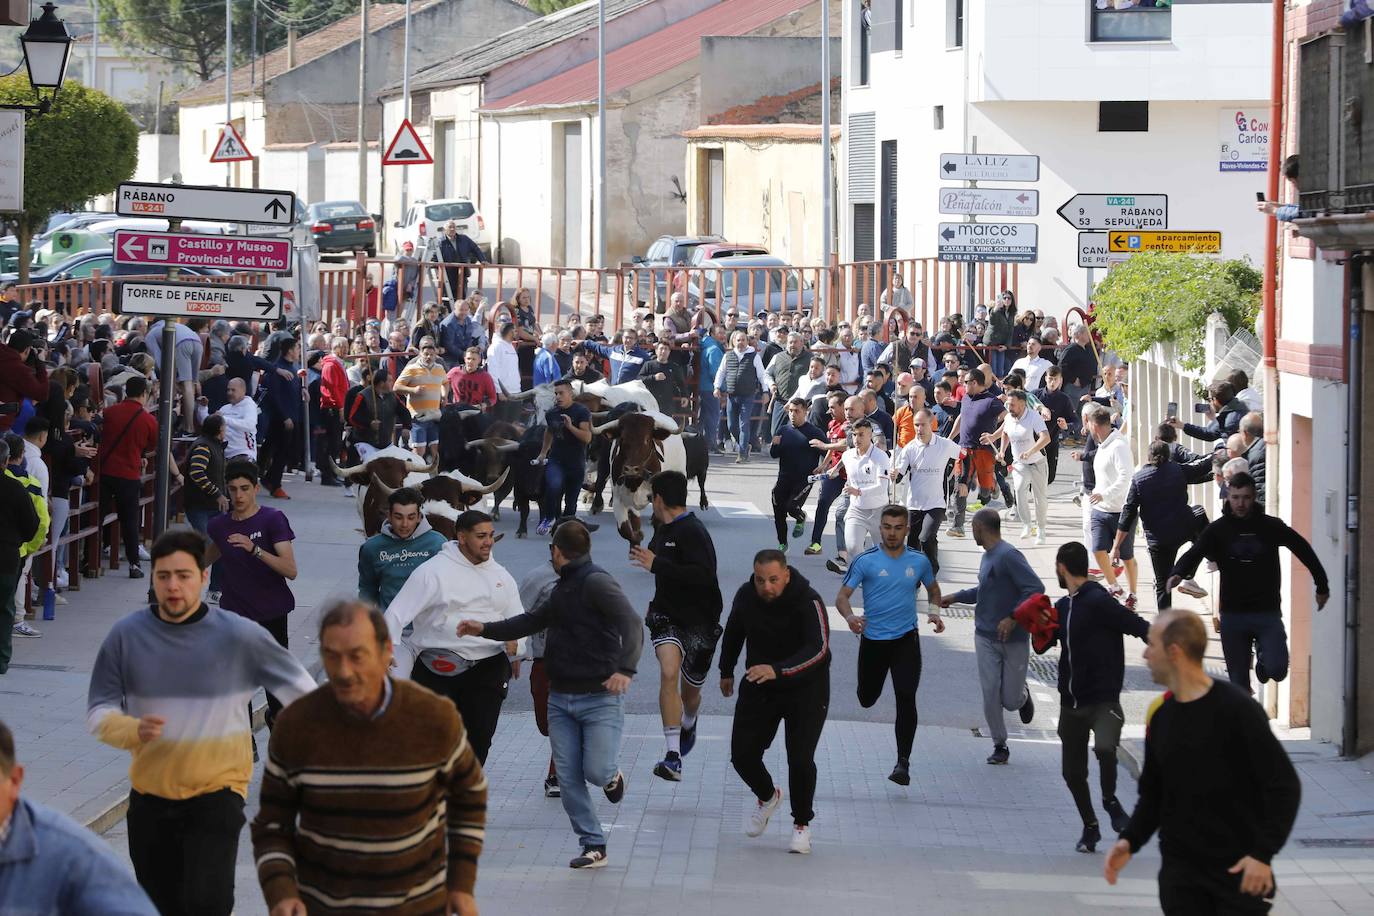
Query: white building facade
[{"x": 1120, "y": 102}]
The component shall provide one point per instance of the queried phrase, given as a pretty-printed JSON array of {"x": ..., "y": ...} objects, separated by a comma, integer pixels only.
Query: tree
[
  {"x": 85, "y": 146},
  {"x": 185, "y": 32},
  {"x": 1157, "y": 297},
  {"x": 544, "y": 7}
]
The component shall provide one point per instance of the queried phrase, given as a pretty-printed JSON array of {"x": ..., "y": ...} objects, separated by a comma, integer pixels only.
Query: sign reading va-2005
[
  {"x": 192, "y": 300},
  {"x": 184, "y": 201},
  {"x": 1001, "y": 242}
]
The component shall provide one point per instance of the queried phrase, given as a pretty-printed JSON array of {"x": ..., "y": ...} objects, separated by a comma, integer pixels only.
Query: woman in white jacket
[
  {"x": 462, "y": 581},
  {"x": 866, "y": 467}
]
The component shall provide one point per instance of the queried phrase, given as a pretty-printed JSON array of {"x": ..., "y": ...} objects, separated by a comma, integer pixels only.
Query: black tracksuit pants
[
  {"x": 902, "y": 658},
  {"x": 758, "y": 712},
  {"x": 789, "y": 494},
  {"x": 478, "y": 693}
]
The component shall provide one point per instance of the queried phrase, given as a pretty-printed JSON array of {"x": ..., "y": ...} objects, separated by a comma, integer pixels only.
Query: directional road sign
[
  {"x": 988, "y": 167},
  {"x": 1116, "y": 211},
  {"x": 184, "y": 201},
  {"x": 990, "y": 201},
  {"x": 1092, "y": 251},
  {"x": 189, "y": 249},
  {"x": 988, "y": 242},
  {"x": 1186, "y": 242},
  {"x": 191, "y": 300}
]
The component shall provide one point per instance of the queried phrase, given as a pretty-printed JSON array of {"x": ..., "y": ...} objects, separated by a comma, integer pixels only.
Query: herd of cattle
[{"x": 479, "y": 455}]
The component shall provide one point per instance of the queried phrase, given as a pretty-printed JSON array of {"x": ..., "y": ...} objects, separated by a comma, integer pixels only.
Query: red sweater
[
  {"x": 121, "y": 451},
  {"x": 19, "y": 381},
  {"x": 333, "y": 383}
]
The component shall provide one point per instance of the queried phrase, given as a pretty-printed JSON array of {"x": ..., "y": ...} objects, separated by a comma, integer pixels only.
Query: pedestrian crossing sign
[{"x": 230, "y": 147}]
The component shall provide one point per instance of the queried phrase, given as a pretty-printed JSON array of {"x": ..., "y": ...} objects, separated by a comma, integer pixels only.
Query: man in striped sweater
[{"x": 372, "y": 798}]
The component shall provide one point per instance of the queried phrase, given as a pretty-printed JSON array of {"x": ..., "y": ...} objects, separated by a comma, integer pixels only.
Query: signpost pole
[
  {"x": 971, "y": 267},
  {"x": 823, "y": 293},
  {"x": 228, "y": 81},
  {"x": 405, "y": 104}
]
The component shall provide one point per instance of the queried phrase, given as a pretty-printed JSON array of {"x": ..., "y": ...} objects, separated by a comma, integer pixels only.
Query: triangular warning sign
[
  {"x": 406, "y": 148},
  {"x": 230, "y": 147}
]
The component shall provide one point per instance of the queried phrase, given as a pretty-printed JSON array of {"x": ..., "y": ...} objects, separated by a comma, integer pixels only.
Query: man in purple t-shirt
[
  {"x": 253, "y": 546},
  {"x": 980, "y": 411}
]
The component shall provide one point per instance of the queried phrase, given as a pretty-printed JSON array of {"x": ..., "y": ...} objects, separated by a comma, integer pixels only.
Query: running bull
[{"x": 643, "y": 445}]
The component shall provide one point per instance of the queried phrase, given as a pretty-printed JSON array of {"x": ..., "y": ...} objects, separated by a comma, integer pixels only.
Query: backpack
[
  {"x": 353, "y": 400},
  {"x": 389, "y": 295}
]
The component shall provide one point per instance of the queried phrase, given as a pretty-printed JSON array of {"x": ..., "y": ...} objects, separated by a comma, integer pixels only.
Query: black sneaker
[
  {"x": 592, "y": 857},
  {"x": 901, "y": 773},
  {"x": 1089, "y": 840},
  {"x": 837, "y": 565},
  {"x": 615, "y": 791},
  {"x": 687, "y": 739},
  {"x": 1260, "y": 674},
  {"x": 551, "y": 789},
  {"x": 999, "y": 755},
  {"x": 135, "y": 572},
  {"x": 669, "y": 768},
  {"x": 1120, "y": 819},
  {"x": 1027, "y": 709}
]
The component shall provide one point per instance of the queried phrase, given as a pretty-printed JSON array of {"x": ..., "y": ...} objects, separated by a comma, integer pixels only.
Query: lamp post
[{"x": 47, "y": 48}]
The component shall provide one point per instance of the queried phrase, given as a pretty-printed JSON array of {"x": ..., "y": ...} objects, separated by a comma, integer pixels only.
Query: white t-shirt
[
  {"x": 1035, "y": 370},
  {"x": 866, "y": 472},
  {"x": 1023, "y": 432},
  {"x": 924, "y": 465},
  {"x": 240, "y": 429}
]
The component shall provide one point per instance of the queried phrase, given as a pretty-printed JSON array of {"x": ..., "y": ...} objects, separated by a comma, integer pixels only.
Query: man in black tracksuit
[
  {"x": 781, "y": 624},
  {"x": 1092, "y": 670},
  {"x": 1244, "y": 543},
  {"x": 797, "y": 461},
  {"x": 684, "y": 615},
  {"x": 1056, "y": 408}
]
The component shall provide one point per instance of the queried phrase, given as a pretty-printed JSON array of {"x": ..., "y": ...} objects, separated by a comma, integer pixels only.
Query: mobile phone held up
[{"x": 1172, "y": 412}]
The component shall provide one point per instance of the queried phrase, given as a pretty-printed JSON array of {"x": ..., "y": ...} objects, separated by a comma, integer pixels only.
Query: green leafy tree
[
  {"x": 1157, "y": 297},
  {"x": 85, "y": 146},
  {"x": 189, "y": 33},
  {"x": 544, "y": 7}
]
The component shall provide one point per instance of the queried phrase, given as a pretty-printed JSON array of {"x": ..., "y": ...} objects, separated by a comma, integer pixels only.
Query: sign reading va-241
[
  {"x": 1116, "y": 211},
  {"x": 192, "y": 300},
  {"x": 184, "y": 201},
  {"x": 189, "y": 249},
  {"x": 1002, "y": 242}
]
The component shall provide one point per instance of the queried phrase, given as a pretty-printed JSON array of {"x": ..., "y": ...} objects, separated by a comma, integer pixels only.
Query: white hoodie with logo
[{"x": 443, "y": 590}]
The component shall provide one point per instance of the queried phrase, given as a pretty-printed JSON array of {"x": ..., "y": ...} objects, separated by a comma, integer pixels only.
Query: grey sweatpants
[{"x": 1002, "y": 673}]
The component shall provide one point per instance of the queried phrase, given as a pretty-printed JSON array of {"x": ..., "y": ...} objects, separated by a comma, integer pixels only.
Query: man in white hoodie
[
  {"x": 462, "y": 581},
  {"x": 240, "y": 422}
]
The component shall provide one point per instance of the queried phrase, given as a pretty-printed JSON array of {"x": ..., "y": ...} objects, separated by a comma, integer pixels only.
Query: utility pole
[
  {"x": 405, "y": 105},
  {"x": 228, "y": 82},
  {"x": 824, "y": 290},
  {"x": 600, "y": 134},
  {"x": 362, "y": 103},
  {"x": 970, "y": 267}
]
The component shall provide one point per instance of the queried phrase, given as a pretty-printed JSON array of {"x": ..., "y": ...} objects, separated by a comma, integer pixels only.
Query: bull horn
[
  {"x": 386, "y": 491},
  {"x": 599, "y": 415},
  {"x": 495, "y": 486},
  {"x": 504, "y": 445},
  {"x": 358, "y": 470},
  {"x": 420, "y": 467},
  {"x": 606, "y": 428},
  {"x": 475, "y": 443},
  {"x": 522, "y": 396}
]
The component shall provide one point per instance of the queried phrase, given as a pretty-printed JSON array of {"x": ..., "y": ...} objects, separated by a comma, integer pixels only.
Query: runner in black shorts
[{"x": 684, "y": 615}]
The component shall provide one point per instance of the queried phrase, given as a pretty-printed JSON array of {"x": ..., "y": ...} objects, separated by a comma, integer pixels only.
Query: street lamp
[{"x": 47, "y": 47}]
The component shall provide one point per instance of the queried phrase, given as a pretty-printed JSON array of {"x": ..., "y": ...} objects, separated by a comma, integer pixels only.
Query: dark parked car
[
  {"x": 342, "y": 226},
  {"x": 83, "y": 265},
  {"x": 651, "y": 286}
]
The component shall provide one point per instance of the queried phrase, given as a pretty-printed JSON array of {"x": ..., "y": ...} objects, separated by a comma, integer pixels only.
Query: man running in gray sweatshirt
[{"x": 1005, "y": 579}]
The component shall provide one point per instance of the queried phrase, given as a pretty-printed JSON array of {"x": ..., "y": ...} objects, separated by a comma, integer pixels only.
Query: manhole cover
[
  {"x": 1045, "y": 670},
  {"x": 42, "y": 667}
]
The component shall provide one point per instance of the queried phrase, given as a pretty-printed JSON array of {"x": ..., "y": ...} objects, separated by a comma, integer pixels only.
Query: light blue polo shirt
[{"x": 889, "y": 585}]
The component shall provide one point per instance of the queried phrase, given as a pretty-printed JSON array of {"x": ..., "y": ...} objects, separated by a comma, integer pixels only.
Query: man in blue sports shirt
[{"x": 889, "y": 575}]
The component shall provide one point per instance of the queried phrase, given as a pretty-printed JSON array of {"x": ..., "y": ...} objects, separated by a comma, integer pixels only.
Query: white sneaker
[
  {"x": 62, "y": 578},
  {"x": 1040, "y": 539},
  {"x": 757, "y": 820},
  {"x": 801, "y": 840},
  {"x": 21, "y": 628},
  {"x": 1192, "y": 589},
  {"x": 143, "y": 553},
  {"x": 1025, "y": 531}
]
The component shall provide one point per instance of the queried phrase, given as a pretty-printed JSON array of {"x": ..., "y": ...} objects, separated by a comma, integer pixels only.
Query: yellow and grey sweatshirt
[{"x": 198, "y": 676}]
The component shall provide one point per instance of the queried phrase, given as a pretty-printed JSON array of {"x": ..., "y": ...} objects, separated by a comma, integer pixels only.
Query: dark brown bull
[
  {"x": 389, "y": 467},
  {"x": 644, "y": 445},
  {"x": 454, "y": 490}
]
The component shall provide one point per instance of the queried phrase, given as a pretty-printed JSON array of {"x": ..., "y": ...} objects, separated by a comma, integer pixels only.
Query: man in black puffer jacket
[
  {"x": 1092, "y": 669},
  {"x": 781, "y": 624}
]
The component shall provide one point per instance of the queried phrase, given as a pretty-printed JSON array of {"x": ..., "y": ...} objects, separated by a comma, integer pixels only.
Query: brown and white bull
[
  {"x": 390, "y": 466},
  {"x": 643, "y": 445}
]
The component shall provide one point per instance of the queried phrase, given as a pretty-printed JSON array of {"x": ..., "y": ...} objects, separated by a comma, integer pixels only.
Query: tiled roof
[
  {"x": 652, "y": 55},
  {"x": 311, "y": 46},
  {"x": 486, "y": 56},
  {"x": 759, "y": 132}
]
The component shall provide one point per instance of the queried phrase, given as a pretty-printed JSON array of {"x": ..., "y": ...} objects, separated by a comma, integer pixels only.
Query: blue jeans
[
  {"x": 562, "y": 482},
  {"x": 200, "y": 521},
  {"x": 739, "y": 411},
  {"x": 585, "y": 729},
  {"x": 709, "y": 418}
]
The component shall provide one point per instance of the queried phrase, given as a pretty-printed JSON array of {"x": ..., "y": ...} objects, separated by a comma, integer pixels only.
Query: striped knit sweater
[{"x": 370, "y": 815}]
